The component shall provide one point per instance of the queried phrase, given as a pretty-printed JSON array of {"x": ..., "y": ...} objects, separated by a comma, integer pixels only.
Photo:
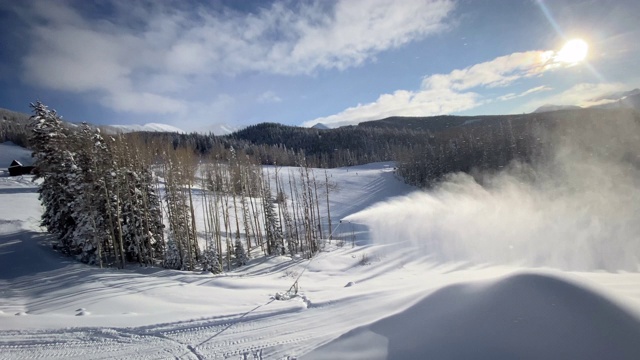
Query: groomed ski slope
[{"x": 368, "y": 301}]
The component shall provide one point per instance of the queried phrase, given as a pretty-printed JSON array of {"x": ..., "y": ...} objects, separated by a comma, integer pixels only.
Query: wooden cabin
[{"x": 16, "y": 169}]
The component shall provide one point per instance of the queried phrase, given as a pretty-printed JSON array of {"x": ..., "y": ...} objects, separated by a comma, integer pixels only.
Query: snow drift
[{"x": 523, "y": 316}]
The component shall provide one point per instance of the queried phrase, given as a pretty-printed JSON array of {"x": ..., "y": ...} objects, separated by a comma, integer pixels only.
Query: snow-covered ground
[{"x": 368, "y": 301}]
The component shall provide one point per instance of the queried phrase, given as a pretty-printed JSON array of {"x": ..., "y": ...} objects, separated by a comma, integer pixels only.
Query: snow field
[{"x": 370, "y": 300}]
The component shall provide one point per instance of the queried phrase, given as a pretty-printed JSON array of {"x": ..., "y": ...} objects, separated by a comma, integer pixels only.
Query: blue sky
[{"x": 195, "y": 64}]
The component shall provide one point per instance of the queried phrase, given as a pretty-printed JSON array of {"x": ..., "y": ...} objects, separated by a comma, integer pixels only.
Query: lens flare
[{"x": 573, "y": 52}]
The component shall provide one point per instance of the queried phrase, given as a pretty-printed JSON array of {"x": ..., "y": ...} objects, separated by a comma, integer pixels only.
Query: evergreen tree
[
  {"x": 56, "y": 167},
  {"x": 240, "y": 257},
  {"x": 273, "y": 230},
  {"x": 211, "y": 260},
  {"x": 98, "y": 197},
  {"x": 91, "y": 233},
  {"x": 172, "y": 257}
]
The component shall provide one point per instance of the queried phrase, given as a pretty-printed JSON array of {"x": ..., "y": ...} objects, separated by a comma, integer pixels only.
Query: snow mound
[{"x": 523, "y": 316}]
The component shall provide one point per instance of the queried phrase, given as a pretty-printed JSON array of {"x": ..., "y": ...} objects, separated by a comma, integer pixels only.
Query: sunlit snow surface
[{"x": 401, "y": 304}]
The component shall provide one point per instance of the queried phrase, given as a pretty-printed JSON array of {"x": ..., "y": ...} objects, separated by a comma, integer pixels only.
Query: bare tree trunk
[
  {"x": 295, "y": 201},
  {"x": 315, "y": 189},
  {"x": 120, "y": 240},
  {"x": 245, "y": 216},
  {"x": 326, "y": 183},
  {"x": 193, "y": 225},
  {"x": 279, "y": 193}
]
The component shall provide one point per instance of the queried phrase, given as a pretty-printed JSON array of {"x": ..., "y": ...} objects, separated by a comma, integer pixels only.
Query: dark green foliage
[
  {"x": 273, "y": 229},
  {"x": 240, "y": 257},
  {"x": 15, "y": 127},
  {"x": 210, "y": 260},
  {"x": 425, "y": 148},
  {"x": 101, "y": 205},
  {"x": 58, "y": 171}
]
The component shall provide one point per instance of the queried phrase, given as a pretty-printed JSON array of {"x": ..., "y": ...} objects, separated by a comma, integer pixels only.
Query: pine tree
[
  {"x": 211, "y": 260},
  {"x": 240, "y": 257},
  {"x": 180, "y": 207},
  {"x": 91, "y": 232},
  {"x": 273, "y": 230},
  {"x": 56, "y": 167},
  {"x": 172, "y": 257}
]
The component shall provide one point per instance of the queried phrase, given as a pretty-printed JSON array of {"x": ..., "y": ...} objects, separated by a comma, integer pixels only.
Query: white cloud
[
  {"x": 449, "y": 93},
  {"x": 498, "y": 72},
  {"x": 141, "y": 103},
  {"x": 359, "y": 29},
  {"x": 207, "y": 115},
  {"x": 148, "y": 52},
  {"x": 268, "y": 97},
  {"x": 403, "y": 103}
]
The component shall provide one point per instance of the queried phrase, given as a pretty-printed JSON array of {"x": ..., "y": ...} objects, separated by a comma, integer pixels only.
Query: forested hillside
[
  {"x": 425, "y": 148},
  {"x": 14, "y": 127}
]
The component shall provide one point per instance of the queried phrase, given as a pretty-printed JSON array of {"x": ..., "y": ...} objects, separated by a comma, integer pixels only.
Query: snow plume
[{"x": 577, "y": 210}]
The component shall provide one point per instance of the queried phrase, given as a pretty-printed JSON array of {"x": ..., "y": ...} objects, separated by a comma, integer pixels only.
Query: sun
[{"x": 574, "y": 51}]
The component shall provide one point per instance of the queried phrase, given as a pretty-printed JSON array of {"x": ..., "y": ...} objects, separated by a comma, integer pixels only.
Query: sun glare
[{"x": 573, "y": 51}]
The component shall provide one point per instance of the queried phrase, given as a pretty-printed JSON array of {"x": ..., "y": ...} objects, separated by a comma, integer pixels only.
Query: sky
[{"x": 198, "y": 64}]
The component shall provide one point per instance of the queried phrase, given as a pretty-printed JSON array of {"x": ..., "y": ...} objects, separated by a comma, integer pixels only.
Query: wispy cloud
[
  {"x": 453, "y": 92},
  {"x": 498, "y": 72},
  {"x": 269, "y": 97},
  {"x": 534, "y": 90},
  {"x": 141, "y": 57}
]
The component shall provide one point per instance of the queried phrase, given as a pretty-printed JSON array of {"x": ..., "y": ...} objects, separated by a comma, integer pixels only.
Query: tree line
[{"x": 111, "y": 200}]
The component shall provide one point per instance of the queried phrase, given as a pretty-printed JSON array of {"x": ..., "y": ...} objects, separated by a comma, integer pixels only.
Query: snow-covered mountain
[
  {"x": 215, "y": 128},
  {"x": 619, "y": 95},
  {"x": 627, "y": 99},
  {"x": 152, "y": 127},
  {"x": 615, "y": 100},
  {"x": 549, "y": 108},
  {"x": 220, "y": 129},
  {"x": 320, "y": 126}
]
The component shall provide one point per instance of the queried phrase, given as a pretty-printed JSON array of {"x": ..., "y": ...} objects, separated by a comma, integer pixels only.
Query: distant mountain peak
[
  {"x": 151, "y": 127},
  {"x": 619, "y": 95},
  {"x": 629, "y": 99},
  {"x": 320, "y": 126},
  {"x": 551, "y": 107}
]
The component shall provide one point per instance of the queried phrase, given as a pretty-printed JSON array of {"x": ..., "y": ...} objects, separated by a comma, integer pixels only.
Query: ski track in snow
[{"x": 272, "y": 334}]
